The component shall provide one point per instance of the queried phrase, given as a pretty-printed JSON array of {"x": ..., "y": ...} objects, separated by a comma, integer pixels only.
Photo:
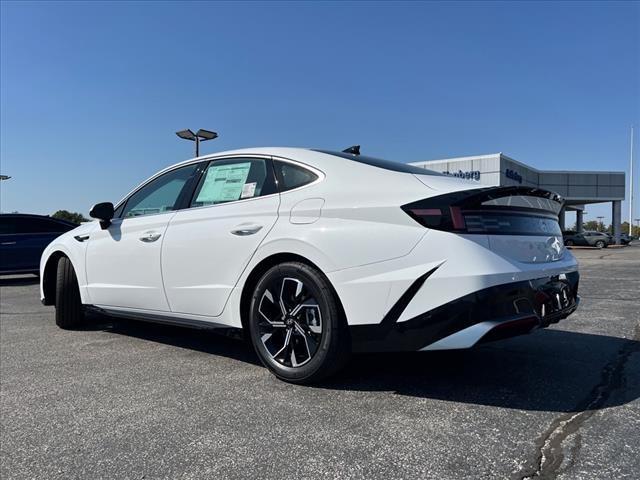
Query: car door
[
  {"x": 580, "y": 239},
  {"x": 208, "y": 245},
  {"x": 123, "y": 260}
]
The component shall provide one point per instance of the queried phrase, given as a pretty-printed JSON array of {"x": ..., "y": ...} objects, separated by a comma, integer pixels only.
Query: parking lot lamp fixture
[
  {"x": 201, "y": 135},
  {"x": 4, "y": 177}
]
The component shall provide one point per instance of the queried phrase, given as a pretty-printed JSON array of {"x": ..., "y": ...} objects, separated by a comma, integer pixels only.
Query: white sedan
[{"x": 317, "y": 254}]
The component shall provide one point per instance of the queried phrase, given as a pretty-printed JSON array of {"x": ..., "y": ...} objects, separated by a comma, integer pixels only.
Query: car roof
[{"x": 314, "y": 157}]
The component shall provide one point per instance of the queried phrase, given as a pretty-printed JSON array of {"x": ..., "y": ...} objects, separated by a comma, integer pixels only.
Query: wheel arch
[
  {"x": 49, "y": 277},
  {"x": 265, "y": 264}
]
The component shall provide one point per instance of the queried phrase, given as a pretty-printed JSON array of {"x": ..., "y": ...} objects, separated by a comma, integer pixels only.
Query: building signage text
[
  {"x": 470, "y": 175},
  {"x": 513, "y": 175}
]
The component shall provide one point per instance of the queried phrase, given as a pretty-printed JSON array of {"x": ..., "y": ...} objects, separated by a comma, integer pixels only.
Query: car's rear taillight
[{"x": 494, "y": 210}]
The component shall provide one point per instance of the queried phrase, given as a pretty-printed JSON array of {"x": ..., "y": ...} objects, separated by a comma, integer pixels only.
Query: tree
[
  {"x": 591, "y": 225},
  {"x": 72, "y": 217}
]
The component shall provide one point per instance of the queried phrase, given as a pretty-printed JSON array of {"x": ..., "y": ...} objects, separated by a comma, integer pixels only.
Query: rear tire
[
  {"x": 69, "y": 312},
  {"x": 599, "y": 244},
  {"x": 296, "y": 324},
  {"x": 569, "y": 243}
]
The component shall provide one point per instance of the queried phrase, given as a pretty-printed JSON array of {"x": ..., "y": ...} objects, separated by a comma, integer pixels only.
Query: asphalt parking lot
[{"x": 130, "y": 400}]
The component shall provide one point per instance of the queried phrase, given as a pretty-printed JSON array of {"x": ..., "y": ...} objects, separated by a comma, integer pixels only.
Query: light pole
[
  {"x": 631, "y": 181},
  {"x": 601, "y": 225},
  {"x": 200, "y": 136}
]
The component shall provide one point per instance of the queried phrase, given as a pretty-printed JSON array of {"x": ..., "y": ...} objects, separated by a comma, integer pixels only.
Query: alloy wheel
[{"x": 290, "y": 322}]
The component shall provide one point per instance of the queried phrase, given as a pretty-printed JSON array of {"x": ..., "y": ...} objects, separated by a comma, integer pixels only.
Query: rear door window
[{"x": 230, "y": 180}]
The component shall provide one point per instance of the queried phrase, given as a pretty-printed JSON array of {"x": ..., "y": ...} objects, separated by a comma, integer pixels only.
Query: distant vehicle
[
  {"x": 23, "y": 238},
  {"x": 625, "y": 239},
  {"x": 586, "y": 239}
]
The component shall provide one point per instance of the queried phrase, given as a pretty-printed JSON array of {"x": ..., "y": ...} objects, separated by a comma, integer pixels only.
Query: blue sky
[{"x": 91, "y": 93}]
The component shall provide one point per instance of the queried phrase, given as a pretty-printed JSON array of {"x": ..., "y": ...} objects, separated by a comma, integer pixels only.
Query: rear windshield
[
  {"x": 386, "y": 164},
  {"x": 526, "y": 201}
]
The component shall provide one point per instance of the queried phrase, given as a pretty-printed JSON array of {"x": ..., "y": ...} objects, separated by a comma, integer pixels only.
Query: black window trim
[
  {"x": 187, "y": 192},
  {"x": 186, "y": 195}
]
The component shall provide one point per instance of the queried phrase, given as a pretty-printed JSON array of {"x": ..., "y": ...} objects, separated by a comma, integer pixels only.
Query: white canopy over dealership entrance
[{"x": 578, "y": 188}]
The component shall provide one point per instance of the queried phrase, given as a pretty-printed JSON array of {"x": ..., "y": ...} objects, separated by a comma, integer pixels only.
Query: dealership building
[{"x": 578, "y": 188}]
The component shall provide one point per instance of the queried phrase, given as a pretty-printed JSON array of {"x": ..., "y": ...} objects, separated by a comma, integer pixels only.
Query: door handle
[
  {"x": 8, "y": 243},
  {"x": 244, "y": 230},
  {"x": 149, "y": 237}
]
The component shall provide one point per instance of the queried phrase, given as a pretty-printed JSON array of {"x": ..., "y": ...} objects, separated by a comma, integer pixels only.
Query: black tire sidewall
[
  {"x": 329, "y": 311},
  {"x": 69, "y": 311}
]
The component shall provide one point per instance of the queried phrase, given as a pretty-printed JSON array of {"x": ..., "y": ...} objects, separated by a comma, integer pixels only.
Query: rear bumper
[{"x": 492, "y": 313}]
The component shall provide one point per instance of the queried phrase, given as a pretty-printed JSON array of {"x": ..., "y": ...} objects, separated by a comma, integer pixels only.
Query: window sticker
[
  {"x": 224, "y": 183},
  {"x": 248, "y": 190}
]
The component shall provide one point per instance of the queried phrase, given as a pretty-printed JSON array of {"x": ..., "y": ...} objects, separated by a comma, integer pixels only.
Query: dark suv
[
  {"x": 24, "y": 237},
  {"x": 586, "y": 239}
]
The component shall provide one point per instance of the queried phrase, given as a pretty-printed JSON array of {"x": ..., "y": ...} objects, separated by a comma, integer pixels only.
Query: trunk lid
[{"x": 520, "y": 223}]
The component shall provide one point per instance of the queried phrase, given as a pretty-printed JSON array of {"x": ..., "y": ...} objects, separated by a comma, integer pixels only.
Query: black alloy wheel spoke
[{"x": 290, "y": 322}]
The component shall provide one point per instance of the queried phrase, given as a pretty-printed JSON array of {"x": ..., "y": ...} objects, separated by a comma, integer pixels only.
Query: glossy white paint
[
  {"x": 207, "y": 248},
  {"x": 348, "y": 224},
  {"x": 123, "y": 263}
]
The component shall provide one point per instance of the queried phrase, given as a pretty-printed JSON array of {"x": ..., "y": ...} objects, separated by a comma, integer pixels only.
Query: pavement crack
[{"x": 549, "y": 453}]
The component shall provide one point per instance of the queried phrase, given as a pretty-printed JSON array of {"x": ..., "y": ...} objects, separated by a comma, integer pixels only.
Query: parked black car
[
  {"x": 23, "y": 238},
  {"x": 586, "y": 239}
]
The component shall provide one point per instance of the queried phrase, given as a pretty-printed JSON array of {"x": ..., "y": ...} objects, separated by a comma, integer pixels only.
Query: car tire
[
  {"x": 69, "y": 312},
  {"x": 296, "y": 324},
  {"x": 569, "y": 243},
  {"x": 599, "y": 244}
]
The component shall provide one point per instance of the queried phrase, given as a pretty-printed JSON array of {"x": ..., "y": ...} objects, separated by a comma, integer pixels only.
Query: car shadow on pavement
[
  {"x": 19, "y": 281},
  {"x": 550, "y": 370},
  {"x": 215, "y": 342}
]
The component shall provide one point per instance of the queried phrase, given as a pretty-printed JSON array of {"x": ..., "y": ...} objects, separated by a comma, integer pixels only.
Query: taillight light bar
[{"x": 464, "y": 212}]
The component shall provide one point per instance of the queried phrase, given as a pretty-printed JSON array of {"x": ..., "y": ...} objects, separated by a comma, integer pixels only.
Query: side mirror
[{"x": 103, "y": 212}]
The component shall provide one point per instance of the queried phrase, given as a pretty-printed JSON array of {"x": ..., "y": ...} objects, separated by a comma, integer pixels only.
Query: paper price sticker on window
[
  {"x": 248, "y": 190},
  {"x": 224, "y": 183}
]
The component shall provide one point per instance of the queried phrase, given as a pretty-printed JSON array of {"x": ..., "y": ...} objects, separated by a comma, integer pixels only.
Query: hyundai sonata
[{"x": 316, "y": 254}]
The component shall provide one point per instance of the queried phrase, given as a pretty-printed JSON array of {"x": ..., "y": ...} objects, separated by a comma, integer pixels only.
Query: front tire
[
  {"x": 296, "y": 324},
  {"x": 600, "y": 244},
  {"x": 69, "y": 313}
]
